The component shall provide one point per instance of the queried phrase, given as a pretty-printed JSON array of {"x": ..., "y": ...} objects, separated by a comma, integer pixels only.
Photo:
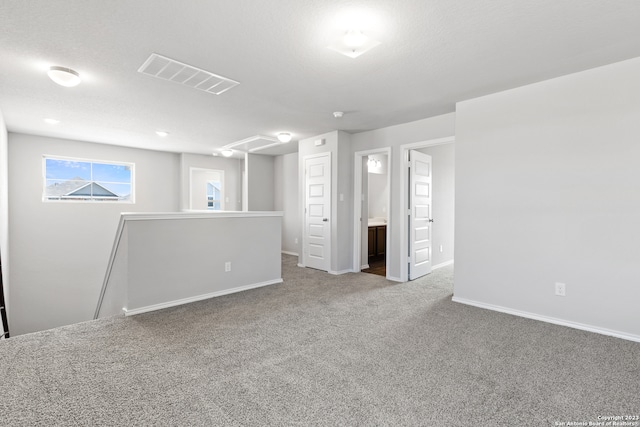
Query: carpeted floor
[{"x": 353, "y": 350}]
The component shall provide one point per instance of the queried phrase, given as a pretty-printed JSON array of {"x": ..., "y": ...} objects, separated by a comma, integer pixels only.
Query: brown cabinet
[{"x": 377, "y": 241}]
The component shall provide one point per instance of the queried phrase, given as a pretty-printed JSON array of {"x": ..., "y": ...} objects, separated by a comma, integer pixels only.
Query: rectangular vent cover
[{"x": 169, "y": 69}]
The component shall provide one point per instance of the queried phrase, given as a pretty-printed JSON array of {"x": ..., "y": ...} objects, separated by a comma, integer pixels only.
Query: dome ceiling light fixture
[
  {"x": 51, "y": 121},
  {"x": 64, "y": 76},
  {"x": 353, "y": 43},
  {"x": 227, "y": 152},
  {"x": 284, "y": 137},
  {"x": 162, "y": 133},
  {"x": 338, "y": 114}
]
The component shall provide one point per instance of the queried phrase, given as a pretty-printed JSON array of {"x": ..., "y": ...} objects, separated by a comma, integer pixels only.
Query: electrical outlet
[
  {"x": 227, "y": 266},
  {"x": 561, "y": 289}
]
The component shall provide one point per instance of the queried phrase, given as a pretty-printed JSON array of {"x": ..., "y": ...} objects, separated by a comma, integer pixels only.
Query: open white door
[
  {"x": 419, "y": 214},
  {"x": 317, "y": 229}
]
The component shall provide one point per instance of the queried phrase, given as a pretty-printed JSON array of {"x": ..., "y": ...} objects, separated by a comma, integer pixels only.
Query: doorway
[
  {"x": 206, "y": 189},
  {"x": 372, "y": 225},
  {"x": 316, "y": 237},
  {"x": 428, "y": 238}
]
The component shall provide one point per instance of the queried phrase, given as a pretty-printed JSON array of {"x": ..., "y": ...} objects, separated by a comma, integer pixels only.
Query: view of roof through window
[{"x": 87, "y": 180}]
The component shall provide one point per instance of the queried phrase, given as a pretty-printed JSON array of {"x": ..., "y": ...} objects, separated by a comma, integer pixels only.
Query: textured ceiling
[{"x": 432, "y": 54}]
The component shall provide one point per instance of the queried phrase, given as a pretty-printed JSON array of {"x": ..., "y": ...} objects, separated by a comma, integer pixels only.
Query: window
[
  {"x": 213, "y": 195},
  {"x": 69, "y": 179}
]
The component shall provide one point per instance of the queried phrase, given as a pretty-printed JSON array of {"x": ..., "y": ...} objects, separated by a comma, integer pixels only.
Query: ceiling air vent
[{"x": 169, "y": 69}]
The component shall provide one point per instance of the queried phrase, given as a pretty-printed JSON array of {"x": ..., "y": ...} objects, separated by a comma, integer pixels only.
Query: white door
[
  {"x": 317, "y": 212},
  {"x": 419, "y": 214}
]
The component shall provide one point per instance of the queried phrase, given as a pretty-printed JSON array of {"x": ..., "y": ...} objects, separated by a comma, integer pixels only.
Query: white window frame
[{"x": 46, "y": 198}]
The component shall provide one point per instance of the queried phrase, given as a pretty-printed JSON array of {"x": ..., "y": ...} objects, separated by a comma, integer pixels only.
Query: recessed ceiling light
[
  {"x": 64, "y": 76},
  {"x": 162, "y": 133},
  {"x": 227, "y": 153},
  {"x": 353, "y": 43},
  {"x": 52, "y": 121},
  {"x": 284, "y": 137}
]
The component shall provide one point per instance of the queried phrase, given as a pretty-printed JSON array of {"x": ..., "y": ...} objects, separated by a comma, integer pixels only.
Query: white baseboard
[
  {"x": 198, "y": 298},
  {"x": 547, "y": 319},
  {"x": 337, "y": 273},
  {"x": 290, "y": 253},
  {"x": 442, "y": 264},
  {"x": 364, "y": 267},
  {"x": 301, "y": 265},
  {"x": 395, "y": 279}
]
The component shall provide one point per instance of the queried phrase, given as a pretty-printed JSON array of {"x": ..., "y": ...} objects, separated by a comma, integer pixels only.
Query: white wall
[
  {"x": 443, "y": 200},
  {"x": 4, "y": 212},
  {"x": 232, "y": 178},
  {"x": 547, "y": 190},
  {"x": 260, "y": 182},
  {"x": 59, "y": 250},
  {"x": 286, "y": 200},
  {"x": 165, "y": 260},
  {"x": 395, "y": 136}
]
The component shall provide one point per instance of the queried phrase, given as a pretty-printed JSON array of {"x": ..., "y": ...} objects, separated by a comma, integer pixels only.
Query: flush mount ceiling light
[
  {"x": 353, "y": 43},
  {"x": 52, "y": 121},
  {"x": 162, "y": 133},
  {"x": 338, "y": 114},
  {"x": 284, "y": 137},
  {"x": 64, "y": 76},
  {"x": 227, "y": 153}
]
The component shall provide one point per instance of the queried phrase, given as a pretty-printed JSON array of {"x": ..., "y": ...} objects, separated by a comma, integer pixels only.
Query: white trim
[
  {"x": 290, "y": 253},
  {"x": 364, "y": 267},
  {"x": 442, "y": 264},
  {"x": 301, "y": 265},
  {"x": 547, "y": 319},
  {"x": 357, "y": 205},
  {"x": 339, "y": 272},
  {"x": 195, "y": 214},
  {"x": 395, "y": 279},
  {"x": 250, "y": 139},
  {"x": 182, "y": 301},
  {"x": 402, "y": 209}
]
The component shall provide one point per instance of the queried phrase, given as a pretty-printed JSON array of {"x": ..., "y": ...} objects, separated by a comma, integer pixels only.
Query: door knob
[
  {"x": 325, "y": 219},
  {"x": 430, "y": 220}
]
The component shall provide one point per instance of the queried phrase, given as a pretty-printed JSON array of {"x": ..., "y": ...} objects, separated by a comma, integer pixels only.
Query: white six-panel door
[
  {"x": 420, "y": 214},
  {"x": 317, "y": 215}
]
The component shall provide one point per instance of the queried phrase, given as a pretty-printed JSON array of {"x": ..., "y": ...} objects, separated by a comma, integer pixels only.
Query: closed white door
[
  {"x": 317, "y": 228},
  {"x": 420, "y": 220}
]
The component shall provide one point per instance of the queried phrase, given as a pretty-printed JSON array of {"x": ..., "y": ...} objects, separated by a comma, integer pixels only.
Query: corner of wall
[{"x": 4, "y": 209}]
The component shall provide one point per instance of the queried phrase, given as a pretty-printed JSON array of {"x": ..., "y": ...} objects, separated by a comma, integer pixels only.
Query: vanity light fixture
[
  {"x": 227, "y": 152},
  {"x": 284, "y": 137},
  {"x": 64, "y": 76},
  {"x": 374, "y": 163}
]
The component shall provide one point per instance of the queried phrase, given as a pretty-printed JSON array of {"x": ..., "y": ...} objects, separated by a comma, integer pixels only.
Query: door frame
[
  {"x": 303, "y": 248},
  {"x": 404, "y": 198},
  {"x": 222, "y": 190},
  {"x": 357, "y": 205}
]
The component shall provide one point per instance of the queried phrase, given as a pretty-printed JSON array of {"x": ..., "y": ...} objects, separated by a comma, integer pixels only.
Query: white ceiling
[{"x": 432, "y": 54}]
